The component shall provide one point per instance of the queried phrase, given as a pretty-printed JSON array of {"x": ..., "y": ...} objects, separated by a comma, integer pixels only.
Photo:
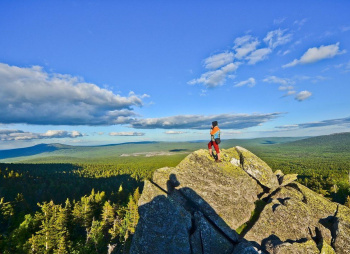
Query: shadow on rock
[{"x": 178, "y": 220}]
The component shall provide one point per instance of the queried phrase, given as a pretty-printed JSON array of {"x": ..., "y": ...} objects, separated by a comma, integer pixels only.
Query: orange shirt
[{"x": 214, "y": 130}]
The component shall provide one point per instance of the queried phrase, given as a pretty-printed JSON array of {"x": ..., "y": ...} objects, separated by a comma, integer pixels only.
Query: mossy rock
[
  {"x": 287, "y": 179},
  {"x": 291, "y": 213},
  {"x": 224, "y": 187},
  {"x": 308, "y": 247},
  {"x": 325, "y": 248},
  {"x": 257, "y": 169}
]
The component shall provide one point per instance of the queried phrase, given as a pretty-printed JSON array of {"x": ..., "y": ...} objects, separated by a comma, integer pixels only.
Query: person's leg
[
  {"x": 217, "y": 150},
  {"x": 209, "y": 147}
]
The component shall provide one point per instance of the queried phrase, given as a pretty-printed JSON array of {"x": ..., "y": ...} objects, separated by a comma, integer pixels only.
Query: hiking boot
[{"x": 217, "y": 161}]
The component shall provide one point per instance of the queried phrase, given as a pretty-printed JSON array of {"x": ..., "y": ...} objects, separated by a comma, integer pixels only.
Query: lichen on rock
[
  {"x": 196, "y": 207},
  {"x": 257, "y": 169}
]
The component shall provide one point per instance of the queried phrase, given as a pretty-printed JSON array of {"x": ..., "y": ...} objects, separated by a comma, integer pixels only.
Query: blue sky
[{"x": 98, "y": 72}]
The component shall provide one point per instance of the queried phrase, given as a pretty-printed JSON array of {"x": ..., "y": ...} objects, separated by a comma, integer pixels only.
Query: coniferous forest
[{"x": 48, "y": 207}]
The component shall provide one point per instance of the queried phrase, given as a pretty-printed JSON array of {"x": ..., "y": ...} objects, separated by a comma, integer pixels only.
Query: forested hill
[
  {"x": 28, "y": 151},
  {"x": 339, "y": 142}
]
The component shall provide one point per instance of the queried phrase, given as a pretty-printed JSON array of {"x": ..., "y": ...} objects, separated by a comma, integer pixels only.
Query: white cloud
[
  {"x": 277, "y": 80},
  {"x": 245, "y": 51},
  {"x": 303, "y": 95},
  {"x": 286, "y": 52},
  {"x": 329, "y": 122},
  {"x": 215, "y": 78},
  {"x": 258, "y": 55},
  {"x": 279, "y": 21},
  {"x": 225, "y": 132},
  {"x": 228, "y": 121},
  {"x": 316, "y": 54},
  {"x": 218, "y": 60},
  {"x": 277, "y": 37},
  {"x": 15, "y": 135},
  {"x": 284, "y": 88},
  {"x": 288, "y": 127},
  {"x": 249, "y": 82},
  {"x": 175, "y": 132},
  {"x": 126, "y": 134},
  {"x": 245, "y": 45},
  {"x": 300, "y": 23},
  {"x": 291, "y": 92},
  {"x": 33, "y": 96}
]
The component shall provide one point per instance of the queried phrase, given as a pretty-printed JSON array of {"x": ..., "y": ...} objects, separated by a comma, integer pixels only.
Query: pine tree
[
  {"x": 132, "y": 215},
  {"x": 108, "y": 214},
  {"x": 136, "y": 195},
  {"x": 115, "y": 230},
  {"x": 62, "y": 247},
  {"x": 83, "y": 212},
  {"x": 34, "y": 244},
  {"x": 95, "y": 234}
]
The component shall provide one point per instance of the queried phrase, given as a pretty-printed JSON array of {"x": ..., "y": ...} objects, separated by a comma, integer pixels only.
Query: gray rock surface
[
  {"x": 289, "y": 214},
  {"x": 245, "y": 247},
  {"x": 220, "y": 185},
  {"x": 163, "y": 226},
  {"x": 257, "y": 169},
  {"x": 287, "y": 179},
  {"x": 197, "y": 206},
  {"x": 341, "y": 229}
]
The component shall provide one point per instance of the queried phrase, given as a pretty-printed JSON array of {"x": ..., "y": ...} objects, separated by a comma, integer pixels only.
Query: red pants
[{"x": 215, "y": 146}]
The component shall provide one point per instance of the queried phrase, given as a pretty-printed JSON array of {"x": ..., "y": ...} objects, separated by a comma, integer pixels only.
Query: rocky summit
[{"x": 237, "y": 206}]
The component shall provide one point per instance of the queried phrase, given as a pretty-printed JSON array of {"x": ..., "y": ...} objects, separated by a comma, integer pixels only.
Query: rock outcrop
[{"x": 236, "y": 206}]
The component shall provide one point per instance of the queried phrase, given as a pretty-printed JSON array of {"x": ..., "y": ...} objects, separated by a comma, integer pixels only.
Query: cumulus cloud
[
  {"x": 175, "y": 132},
  {"x": 249, "y": 82},
  {"x": 228, "y": 121},
  {"x": 277, "y": 37},
  {"x": 303, "y": 95},
  {"x": 215, "y": 78},
  {"x": 245, "y": 50},
  {"x": 317, "y": 54},
  {"x": 258, "y": 55},
  {"x": 14, "y": 135},
  {"x": 33, "y": 96},
  {"x": 126, "y": 134},
  {"x": 245, "y": 45},
  {"x": 329, "y": 122},
  {"x": 218, "y": 60},
  {"x": 280, "y": 81}
]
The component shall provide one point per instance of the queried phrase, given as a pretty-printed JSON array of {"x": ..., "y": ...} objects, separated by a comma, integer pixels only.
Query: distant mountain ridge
[
  {"x": 28, "y": 151},
  {"x": 338, "y": 141}
]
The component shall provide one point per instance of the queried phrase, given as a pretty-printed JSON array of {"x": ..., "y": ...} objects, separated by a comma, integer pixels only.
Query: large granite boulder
[
  {"x": 257, "y": 169},
  {"x": 291, "y": 213},
  {"x": 223, "y": 186},
  {"x": 163, "y": 226},
  {"x": 341, "y": 231},
  {"x": 197, "y": 206}
]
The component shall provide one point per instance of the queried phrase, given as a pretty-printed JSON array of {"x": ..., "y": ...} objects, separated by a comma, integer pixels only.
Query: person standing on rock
[{"x": 215, "y": 140}]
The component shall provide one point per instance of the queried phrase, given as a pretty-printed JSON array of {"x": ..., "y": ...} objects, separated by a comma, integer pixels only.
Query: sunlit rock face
[{"x": 236, "y": 206}]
